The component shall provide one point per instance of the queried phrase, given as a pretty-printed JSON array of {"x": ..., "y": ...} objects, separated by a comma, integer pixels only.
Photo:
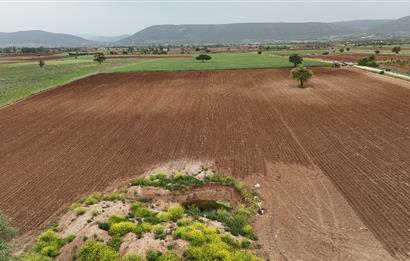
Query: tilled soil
[
  {"x": 353, "y": 57},
  {"x": 350, "y": 126}
]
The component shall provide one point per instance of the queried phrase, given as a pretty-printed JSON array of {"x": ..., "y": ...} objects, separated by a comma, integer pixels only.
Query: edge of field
[{"x": 136, "y": 68}]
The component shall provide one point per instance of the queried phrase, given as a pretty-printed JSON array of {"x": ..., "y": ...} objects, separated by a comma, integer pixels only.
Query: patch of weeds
[
  {"x": 114, "y": 196},
  {"x": 173, "y": 213},
  {"x": 206, "y": 243},
  {"x": 171, "y": 246},
  {"x": 178, "y": 181},
  {"x": 131, "y": 257},
  {"x": 116, "y": 219},
  {"x": 159, "y": 231},
  {"x": 68, "y": 239},
  {"x": 92, "y": 199},
  {"x": 115, "y": 243},
  {"x": 169, "y": 256},
  {"x": 32, "y": 256},
  {"x": 49, "y": 243},
  {"x": 245, "y": 243},
  {"x": 152, "y": 255},
  {"x": 137, "y": 210},
  {"x": 94, "y": 250},
  {"x": 75, "y": 205},
  {"x": 122, "y": 228},
  {"x": 80, "y": 211},
  {"x": 237, "y": 222},
  {"x": 94, "y": 212}
]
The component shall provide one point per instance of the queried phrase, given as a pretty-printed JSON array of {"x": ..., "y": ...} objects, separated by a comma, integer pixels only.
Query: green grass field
[
  {"x": 19, "y": 80},
  {"x": 218, "y": 62}
]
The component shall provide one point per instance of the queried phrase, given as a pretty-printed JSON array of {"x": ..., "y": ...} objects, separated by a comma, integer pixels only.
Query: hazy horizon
[{"x": 126, "y": 17}]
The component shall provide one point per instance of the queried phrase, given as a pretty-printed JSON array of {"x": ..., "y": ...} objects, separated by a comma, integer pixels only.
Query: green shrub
[
  {"x": 122, "y": 228},
  {"x": 92, "y": 199},
  {"x": 137, "y": 210},
  {"x": 80, "y": 211},
  {"x": 152, "y": 220},
  {"x": 163, "y": 216},
  {"x": 152, "y": 255},
  {"x": 114, "y": 196},
  {"x": 131, "y": 257},
  {"x": 169, "y": 256},
  {"x": 159, "y": 231},
  {"x": 97, "y": 251},
  {"x": 75, "y": 205},
  {"x": 32, "y": 257},
  {"x": 68, "y": 239},
  {"x": 48, "y": 243},
  {"x": 104, "y": 226},
  {"x": 175, "y": 212},
  {"x": 245, "y": 243},
  {"x": 116, "y": 219},
  {"x": 7, "y": 232},
  {"x": 94, "y": 212},
  {"x": 115, "y": 243},
  {"x": 185, "y": 221}
]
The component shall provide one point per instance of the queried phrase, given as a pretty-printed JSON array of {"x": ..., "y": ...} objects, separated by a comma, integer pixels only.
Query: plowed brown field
[
  {"x": 353, "y": 57},
  {"x": 345, "y": 140}
]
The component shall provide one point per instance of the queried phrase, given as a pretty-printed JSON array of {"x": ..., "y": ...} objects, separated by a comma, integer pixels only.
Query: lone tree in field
[
  {"x": 377, "y": 52},
  {"x": 41, "y": 63},
  {"x": 295, "y": 59},
  {"x": 341, "y": 50},
  {"x": 99, "y": 57},
  {"x": 301, "y": 74},
  {"x": 203, "y": 57},
  {"x": 396, "y": 49}
]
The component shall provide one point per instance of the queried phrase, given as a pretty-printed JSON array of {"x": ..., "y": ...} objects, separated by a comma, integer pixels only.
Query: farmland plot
[{"x": 333, "y": 160}]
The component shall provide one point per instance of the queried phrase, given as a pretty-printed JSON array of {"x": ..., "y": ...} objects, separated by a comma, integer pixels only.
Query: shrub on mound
[
  {"x": 97, "y": 251},
  {"x": 122, "y": 228},
  {"x": 93, "y": 199}
]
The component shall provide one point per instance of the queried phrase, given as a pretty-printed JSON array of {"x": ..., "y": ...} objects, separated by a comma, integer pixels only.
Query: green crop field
[
  {"x": 219, "y": 62},
  {"x": 19, "y": 80}
]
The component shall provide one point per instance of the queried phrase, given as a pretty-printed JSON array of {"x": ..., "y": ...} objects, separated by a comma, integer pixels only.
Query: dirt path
[{"x": 348, "y": 127}]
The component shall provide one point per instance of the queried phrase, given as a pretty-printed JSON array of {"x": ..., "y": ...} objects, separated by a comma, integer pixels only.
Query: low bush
[
  {"x": 122, "y": 228},
  {"x": 97, "y": 251},
  {"x": 152, "y": 255},
  {"x": 114, "y": 196},
  {"x": 169, "y": 256},
  {"x": 7, "y": 232},
  {"x": 137, "y": 210},
  {"x": 131, "y": 257},
  {"x": 92, "y": 199},
  {"x": 115, "y": 243},
  {"x": 49, "y": 243},
  {"x": 116, "y": 219},
  {"x": 75, "y": 205},
  {"x": 80, "y": 211},
  {"x": 32, "y": 257},
  {"x": 159, "y": 231}
]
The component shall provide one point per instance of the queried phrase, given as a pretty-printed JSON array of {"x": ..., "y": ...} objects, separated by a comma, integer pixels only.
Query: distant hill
[
  {"x": 260, "y": 32},
  {"x": 244, "y": 32},
  {"x": 362, "y": 25},
  {"x": 399, "y": 26},
  {"x": 104, "y": 39},
  {"x": 37, "y": 38}
]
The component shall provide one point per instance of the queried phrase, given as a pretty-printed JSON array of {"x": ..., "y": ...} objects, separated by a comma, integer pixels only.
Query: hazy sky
[{"x": 128, "y": 16}]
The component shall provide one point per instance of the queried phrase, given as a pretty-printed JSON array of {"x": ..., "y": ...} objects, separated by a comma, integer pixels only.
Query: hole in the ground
[{"x": 206, "y": 205}]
